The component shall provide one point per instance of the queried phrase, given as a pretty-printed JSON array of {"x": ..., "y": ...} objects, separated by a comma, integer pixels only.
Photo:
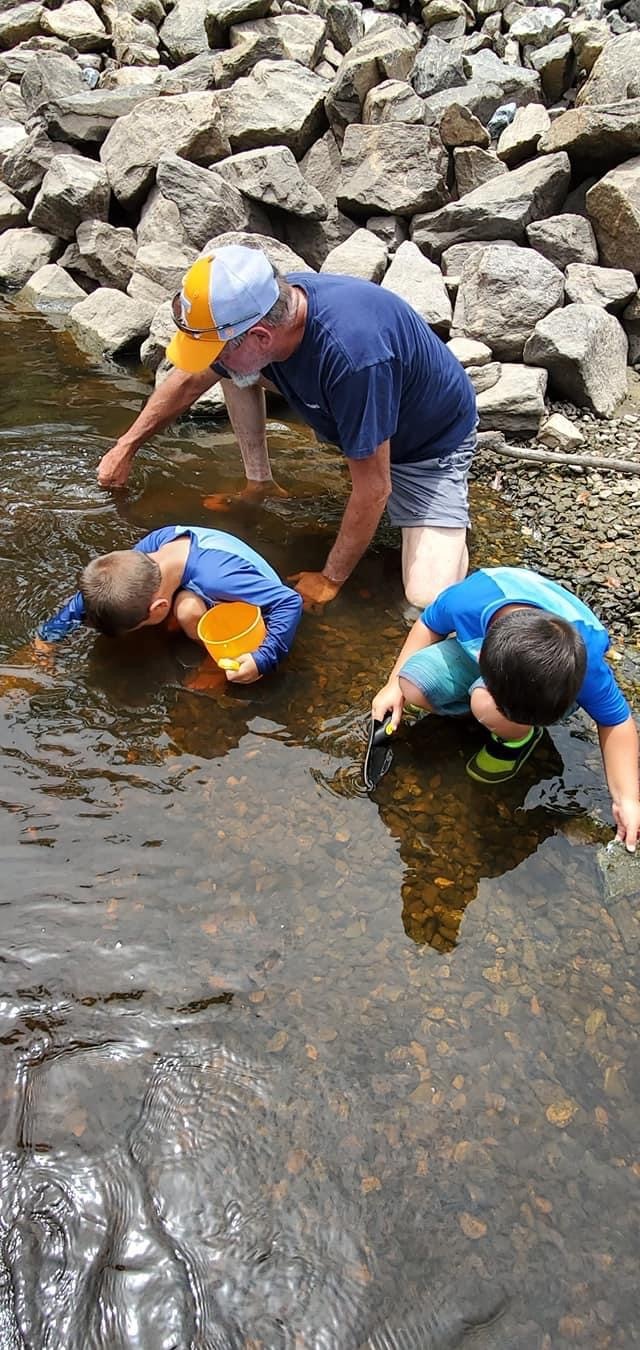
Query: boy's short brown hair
[{"x": 117, "y": 590}]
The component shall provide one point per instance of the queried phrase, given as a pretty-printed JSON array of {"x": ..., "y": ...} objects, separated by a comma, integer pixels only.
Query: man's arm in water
[{"x": 177, "y": 393}]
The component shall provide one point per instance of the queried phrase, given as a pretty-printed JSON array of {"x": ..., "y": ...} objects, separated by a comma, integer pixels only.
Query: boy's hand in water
[
  {"x": 248, "y": 672},
  {"x": 389, "y": 699},
  {"x": 626, "y": 813}
]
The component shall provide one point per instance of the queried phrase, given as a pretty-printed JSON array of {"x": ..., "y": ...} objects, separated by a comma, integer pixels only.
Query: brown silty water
[{"x": 284, "y": 1065}]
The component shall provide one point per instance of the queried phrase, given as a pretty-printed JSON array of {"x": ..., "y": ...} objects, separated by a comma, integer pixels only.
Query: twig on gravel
[{"x": 495, "y": 442}]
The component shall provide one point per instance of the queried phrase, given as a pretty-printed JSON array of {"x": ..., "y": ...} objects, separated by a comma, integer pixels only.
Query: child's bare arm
[
  {"x": 619, "y": 746},
  {"x": 391, "y": 698}
]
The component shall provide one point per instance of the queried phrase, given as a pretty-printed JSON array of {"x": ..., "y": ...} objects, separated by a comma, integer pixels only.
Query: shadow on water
[{"x": 283, "y": 1065}]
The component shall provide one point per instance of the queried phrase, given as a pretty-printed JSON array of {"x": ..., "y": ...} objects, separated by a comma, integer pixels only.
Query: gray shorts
[{"x": 434, "y": 491}]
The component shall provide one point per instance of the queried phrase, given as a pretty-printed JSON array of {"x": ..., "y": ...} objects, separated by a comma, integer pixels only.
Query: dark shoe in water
[
  {"x": 379, "y": 753},
  {"x": 497, "y": 761}
]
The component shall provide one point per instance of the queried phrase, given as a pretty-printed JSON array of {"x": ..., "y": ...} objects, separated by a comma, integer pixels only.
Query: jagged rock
[
  {"x": 24, "y": 167},
  {"x": 437, "y": 66},
  {"x": 160, "y": 222},
  {"x": 362, "y": 255},
  {"x": 555, "y": 65},
  {"x": 108, "y": 322},
  {"x": 315, "y": 239},
  {"x": 458, "y": 127},
  {"x": 155, "y": 79},
  {"x": 12, "y": 211},
  {"x": 19, "y": 23},
  {"x": 279, "y": 254},
  {"x": 537, "y": 27},
  {"x": 14, "y": 63},
  {"x": 280, "y": 103},
  {"x": 158, "y": 272},
  {"x": 589, "y": 38},
  {"x": 392, "y": 101},
  {"x": 470, "y": 353},
  {"x": 76, "y": 22},
  {"x": 520, "y": 140},
  {"x": 296, "y": 37},
  {"x": 560, "y": 433},
  {"x": 344, "y": 22},
  {"x": 183, "y": 32},
  {"x": 191, "y": 76},
  {"x": 386, "y": 53},
  {"x": 458, "y": 255},
  {"x": 420, "y": 283},
  {"x": 87, "y": 118},
  {"x": 491, "y": 84},
  {"x": 22, "y": 252},
  {"x": 392, "y": 230},
  {"x": 50, "y": 76},
  {"x": 585, "y": 351},
  {"x": 152, "y": 351},
  {"x": 484, "y": 377},
  {"x": 631, "y": 325},
  {"x": 135, "y": 43},
  {"x": 272, "y": 176},
  {"x": 501, "y": 208},
  {"x": 613, "y": 205},
  {"x": 207, "y": 204},
  {"x": 108, "y": 253},
  {"x": 150, "y": 10},
  {"x": 12, "y": 105},
  {"x": 392, "y": 169},
  {"x": 322, "y": 167},
  {"x": 616, "y": 73},
  {"x": 564, "y": 239},
  {"x": 231, "y": 65},
  {"x": 12, "y": 135},
  {"x": 515, "y": 403},
  {"x": 223, "y": 14},
  {"x": 51, "y": 290},
  {"x": 445, "y": 11},
  {"x": 186, "y": 124},
  {"x": 503, "y": 293},
  {"x": 73, "y": 189},
  {"x": 474, "y": 166},
  {"x": 596, "y": 136},
  {"x": 612, "y": 287}
]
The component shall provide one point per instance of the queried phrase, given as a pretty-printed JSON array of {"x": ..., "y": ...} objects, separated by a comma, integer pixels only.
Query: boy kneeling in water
[
  {"x": 178, "y": 572},
  {"x": 525, "y": 652}
]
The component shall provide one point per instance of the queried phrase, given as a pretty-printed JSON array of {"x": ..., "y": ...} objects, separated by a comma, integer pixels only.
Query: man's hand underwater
[{"x": 315, "y": 588}]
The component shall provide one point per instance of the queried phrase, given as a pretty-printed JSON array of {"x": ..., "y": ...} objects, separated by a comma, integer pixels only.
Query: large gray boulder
[
  {"x": 491, "y": 82},
  {"x": 12, "y": 104},
  {"x": 616, "y": 73},
  {"x": 13, "y": 212},
  {"x": 108, "y": 322},
  {"x": 392, "y": 169},
  {"x": 438, "y": 65},
  {"x": 183, "y": 32},
  {"x": 421, "y": 284},
  {"x": 500, "y": 209},
  {"x": 555, "y": 65},
  {"x": 392, "y": 101},
  {"x": 564, "y": 239},
  {"x": 12, "y": 136},
  {"x": 322, "y": 167},
  {"x": 19, "y": 23},
  {"x": 459, "y": 128},
  {"x": 316, "y": 239},
  {"x": 87, "y": 118},
  {"x": 107, "y": 252},
  {"x": 589, "y": 38},
  {"x": 190, "y": 77},
  {"x": 386, "y": 53},
  {"x": 513, "y": 404},
  {"x": 207, "y": 204},
  {"x": 14, "y": 63},
  {"x": 185, "y": 124},
  {"x": 296, "y": 37},
  {"x": 613, "y": 287},
  {"x": 631, "y": 325},
  {"x": 279, "y": 254},
  {"x": 519, "y": 141},
  {"x": 595, "y": 136},
  {"x": 158, "y": 271},
  {"x": 51, "y": 75},
  {"x": 272, "y": 176},
  {"x": 475, "y": 166},
  {"x": 73, "y": 189},
  {"x": 222, "y": 14},
  {"x": 361, "y": 255},
  {"x": 135, "y": 43},
  {"x": 160, "y": 222},
  {"x": 24, "y": 167},
  {"x": 502, "y": 295},
  {"x": 537, "y": 27},
  {"x": 584, "y": 350},
  {"x": 22, "y": 252},
  {"x": 613, "y": 205},
  {"x": 51, "y": 290},
  {"x": 76, "y": 22},
  {"x": 280, "y": 103},
  {"x": 344, "y": 21},
  {"x": 231, "y": 64}
]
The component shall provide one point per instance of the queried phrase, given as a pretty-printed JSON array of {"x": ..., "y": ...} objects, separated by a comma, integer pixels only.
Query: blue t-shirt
[
  {"x": 467, "y": 608},
  {"x": 369, "y": 369},
  {"x": 219, "y": 567}
]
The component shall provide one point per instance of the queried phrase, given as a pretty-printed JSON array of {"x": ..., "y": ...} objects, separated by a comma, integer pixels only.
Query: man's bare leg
[
  {"x": 433, "y": 557},
  {"x": 247, "y": 414}
]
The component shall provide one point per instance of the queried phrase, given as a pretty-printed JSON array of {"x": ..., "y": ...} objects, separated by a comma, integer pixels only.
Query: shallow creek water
[{"x": 283, "y": 1065}]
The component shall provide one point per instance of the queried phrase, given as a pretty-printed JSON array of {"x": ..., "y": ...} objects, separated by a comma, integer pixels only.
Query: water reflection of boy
[
  {"x": 179, "y": 572},
  {"x": 525, "y": 651}
]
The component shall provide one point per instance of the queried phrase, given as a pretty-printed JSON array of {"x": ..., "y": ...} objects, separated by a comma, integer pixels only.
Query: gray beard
[{"x": 244, "y": 381}]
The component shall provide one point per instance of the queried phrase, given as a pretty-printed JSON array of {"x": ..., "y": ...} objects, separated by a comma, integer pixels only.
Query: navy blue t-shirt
[{"x": 370, "y": 369}]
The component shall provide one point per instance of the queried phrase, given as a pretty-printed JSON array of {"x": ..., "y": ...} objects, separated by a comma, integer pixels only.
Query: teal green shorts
[{"x": 446, "y": 675}]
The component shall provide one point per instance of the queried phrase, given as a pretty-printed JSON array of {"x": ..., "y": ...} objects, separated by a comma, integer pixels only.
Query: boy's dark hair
[
  {"x": 533, "y": 664},
  {"x": 117, "y": 590}
]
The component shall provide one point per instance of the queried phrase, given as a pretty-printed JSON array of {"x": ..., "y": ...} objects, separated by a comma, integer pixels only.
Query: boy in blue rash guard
[
  {"x": 181, "y": 571},
  {"x": 525, "y": 651}
]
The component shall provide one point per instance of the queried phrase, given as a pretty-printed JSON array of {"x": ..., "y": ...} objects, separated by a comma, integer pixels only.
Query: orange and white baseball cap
[{"x": 222, "y": 296}]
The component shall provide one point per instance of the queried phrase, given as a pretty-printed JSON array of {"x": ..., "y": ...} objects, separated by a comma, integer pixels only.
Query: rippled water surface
[{"x": 283, "y": 1065}]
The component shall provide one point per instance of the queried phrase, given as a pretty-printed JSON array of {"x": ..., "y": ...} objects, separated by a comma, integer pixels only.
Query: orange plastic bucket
[{"x": 231, "y": 629}]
